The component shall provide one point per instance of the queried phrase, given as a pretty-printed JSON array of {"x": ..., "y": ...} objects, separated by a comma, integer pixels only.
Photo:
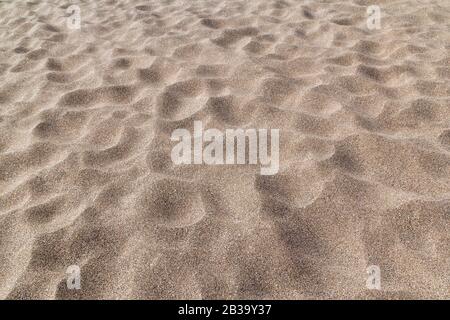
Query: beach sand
[{"x": 86, "y": 176}]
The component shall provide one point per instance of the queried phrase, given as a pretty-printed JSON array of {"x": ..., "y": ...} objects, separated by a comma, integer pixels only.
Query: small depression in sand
[{"x": 171, "y": 203}]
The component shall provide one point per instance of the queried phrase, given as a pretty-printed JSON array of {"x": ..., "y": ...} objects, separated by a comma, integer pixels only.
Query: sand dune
[{"x": 86, "y": 176}]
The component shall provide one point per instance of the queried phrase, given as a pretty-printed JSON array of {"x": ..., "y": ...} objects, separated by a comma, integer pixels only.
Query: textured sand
[{"x": 86, "y": 176}]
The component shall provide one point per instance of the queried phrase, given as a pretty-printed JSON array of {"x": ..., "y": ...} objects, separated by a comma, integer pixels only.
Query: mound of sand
[{"x": 85, "y": 171}]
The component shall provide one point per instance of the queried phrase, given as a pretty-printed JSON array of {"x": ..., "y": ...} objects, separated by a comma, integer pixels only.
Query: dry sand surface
[{"x": 86, "y": 176}]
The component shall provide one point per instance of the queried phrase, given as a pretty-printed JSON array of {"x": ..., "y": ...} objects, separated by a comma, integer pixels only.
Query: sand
[{"x": 86, "y": 177}]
